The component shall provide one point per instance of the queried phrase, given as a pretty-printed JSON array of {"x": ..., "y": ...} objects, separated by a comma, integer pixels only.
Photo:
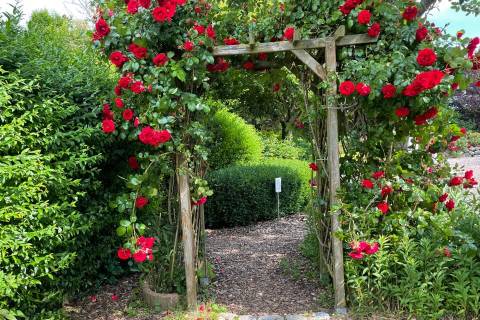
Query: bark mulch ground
[{"x": 260, "y": 269}]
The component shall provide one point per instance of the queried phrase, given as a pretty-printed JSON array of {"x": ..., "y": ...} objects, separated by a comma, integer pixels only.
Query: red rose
[
  {"x": 108, "y": 126},
  {"x": 288, "y": 33},
  {"x": 372, "y": 249},
  {"x": 118, "y": 59},
  {"x": 127, "y": 114},
  {"x": 144, "y": 3},
  {"x": 124, "y": 82},
  {"x": 117, "y": 90},
  {"x": 211, "y": 32},
  {"x": 160, "y": 59},
  {"x": 248, "y": 65},
  {"x": 378, "y": 175},
  {"x": 145, "y": 243},
  {"x": 137, "y": 87},
  {"x": 138, "y": 51},
  {"x": 139, "y": 256},
  {"x": 364, "y": 17},
  {"x": 383, "y": 207},
  {"x": 470, "y": 183},
  {"x": 133, "y": 163},
  {"x": 136, "y": 122},
  {"x": 230, "y": 41},
  {"x": 472, "y": 46},
  {"x": 367, "y": 184},
  {"x": 410, "y": 13},
  {"x": 431, "y": 113},
  {"x": 153, "y": 137},
  {"x": 107, "y": 113},
  {"x": 446, "y": 252},
  {"x": 363, "y": 89},
  {"x": 132, "y": 6},
  {"x": 124, "y": 254},
  {"x": 347, "y": 88},
  {"x": 455, "y": 181},
  {"x": 421, "y": 34},
  {"x": 426, "y": 57},
  {"x": 402, "y": 112},
  {"x": 468, "y": 174},
  {"x": 389, "y": 91},
  {"x": 165, "y": 12},
  {"x": 102, "y": 28},
  {"x": 356, "y": 255},
  {"x": 141, "y": 202},
  {"x": 463, "y": 130},
  {"x": 262, "y": 56},
  {"x": 313, "y": 166},
  {"x": 119, "y": 102},
  {"x": 374, "y": 30},
  {"x": 200, "y": 202},
  {"x": 386, "y": 190},
  {"x": 443, "y": 197},
  {"x": 188, "y": 45},
  {"x": 199, "y": 28},
  {"x": 450, "y": 205}
]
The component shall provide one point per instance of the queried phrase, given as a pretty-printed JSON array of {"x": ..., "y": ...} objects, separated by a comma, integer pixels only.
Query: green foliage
[
  {"x": 44, "y": 161},
  {"x": 234, "y": 142},
  {"x": 245, "y": 194},
  {"x": 289, "y": 148},
  {"x": 413, "y": 272},
  {"x": 55, "y": 203}
]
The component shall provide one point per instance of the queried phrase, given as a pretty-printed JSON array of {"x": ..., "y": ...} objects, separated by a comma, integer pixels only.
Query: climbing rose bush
[{"x": 160, "y": 52}]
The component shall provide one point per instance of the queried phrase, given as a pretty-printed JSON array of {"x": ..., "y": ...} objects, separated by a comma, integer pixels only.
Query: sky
[
  {"x": 440, "y": 16},
  {"x": 457, "y": 21}
]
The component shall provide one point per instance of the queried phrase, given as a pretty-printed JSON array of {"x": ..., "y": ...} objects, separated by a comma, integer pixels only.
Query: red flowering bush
[{"x": 161, "y": 59}]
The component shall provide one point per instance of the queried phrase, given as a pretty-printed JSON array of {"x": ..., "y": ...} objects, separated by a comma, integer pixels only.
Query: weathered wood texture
[
  {"x": 334, "y": 173},
  {"x": 310, "y": 61},
  {"x": 187, "y": 230},
  {"x": 281, "y": 46}
]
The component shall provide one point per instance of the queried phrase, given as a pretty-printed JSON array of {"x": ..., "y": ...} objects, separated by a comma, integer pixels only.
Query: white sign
[{"x": 278, "y": 185}]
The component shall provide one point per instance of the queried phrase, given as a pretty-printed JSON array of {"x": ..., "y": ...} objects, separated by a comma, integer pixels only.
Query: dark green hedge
[
  {"x": 57, "y": 169},
  {"x": 245, "y": 194}
]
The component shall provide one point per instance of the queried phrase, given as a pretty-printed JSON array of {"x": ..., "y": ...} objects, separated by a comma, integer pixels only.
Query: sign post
[{"x": 278, "y": 189}]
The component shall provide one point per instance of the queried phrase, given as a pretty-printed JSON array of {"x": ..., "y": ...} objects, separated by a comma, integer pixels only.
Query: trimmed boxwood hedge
[{"x": 245, "y": 194}]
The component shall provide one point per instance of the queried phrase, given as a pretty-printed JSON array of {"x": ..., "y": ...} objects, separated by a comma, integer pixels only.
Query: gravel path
[
  {"x": 467, "y": 163},
  {"x": 260, "y": 269}
]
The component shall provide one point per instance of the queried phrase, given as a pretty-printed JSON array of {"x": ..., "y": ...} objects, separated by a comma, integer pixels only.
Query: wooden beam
[
  {"x": 187, "y": 230},
  {"x": 340, "y": 32},
  {"x": 281, "y": 46},
  {"x": 310, "y": 61},
  {"x": 334, "y": 174}
]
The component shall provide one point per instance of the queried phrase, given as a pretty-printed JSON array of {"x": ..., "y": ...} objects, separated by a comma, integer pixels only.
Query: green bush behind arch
[{"x": 235, "y": 141}]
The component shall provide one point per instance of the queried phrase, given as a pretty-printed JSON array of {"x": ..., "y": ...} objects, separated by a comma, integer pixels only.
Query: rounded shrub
[
  {"x": 244, "y": 194},
  {"x": 235, "y": 141}
]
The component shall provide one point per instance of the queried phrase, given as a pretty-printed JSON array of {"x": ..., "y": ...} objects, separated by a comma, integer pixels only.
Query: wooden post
[
  {"x": 334, "y": 173},
  {"x": 187, "y": 230}
]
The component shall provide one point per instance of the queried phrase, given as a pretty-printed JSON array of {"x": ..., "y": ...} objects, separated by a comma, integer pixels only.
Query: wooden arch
[{"x": 298, "y": 48}]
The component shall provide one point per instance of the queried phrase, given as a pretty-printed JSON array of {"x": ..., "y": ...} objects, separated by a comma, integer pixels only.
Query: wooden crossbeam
[
  {"x": 310, "y": 62},
  {"x": 282, "y": 46}
]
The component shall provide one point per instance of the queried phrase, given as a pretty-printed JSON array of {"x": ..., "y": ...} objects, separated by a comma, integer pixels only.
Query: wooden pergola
[{"x": 298, "y": 48}]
